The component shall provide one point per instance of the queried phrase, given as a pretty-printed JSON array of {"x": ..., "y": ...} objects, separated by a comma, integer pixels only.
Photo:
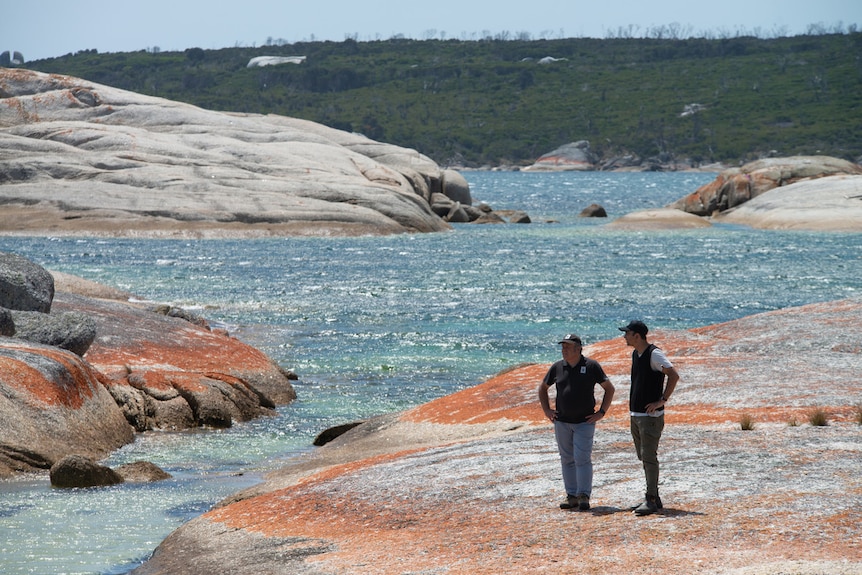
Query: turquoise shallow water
[{"x": 373, "y": 325}]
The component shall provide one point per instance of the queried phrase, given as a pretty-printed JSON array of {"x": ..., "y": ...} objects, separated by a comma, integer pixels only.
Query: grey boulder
[
  {"x": 24, "y": 285},
  {"x": 73, "y": 331},
  {"x": 80, "y": 471},
  {"x": 575, "y": 156},
  {"x": 594, "y": 211},
  {"x": 142, "y": 472}
]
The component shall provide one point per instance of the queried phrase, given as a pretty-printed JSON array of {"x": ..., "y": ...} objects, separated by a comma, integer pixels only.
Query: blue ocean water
[{"x": 373, "y": 325}]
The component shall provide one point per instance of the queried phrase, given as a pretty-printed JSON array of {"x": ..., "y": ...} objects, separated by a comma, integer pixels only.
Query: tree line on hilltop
[{"x": 506, "y": 101}]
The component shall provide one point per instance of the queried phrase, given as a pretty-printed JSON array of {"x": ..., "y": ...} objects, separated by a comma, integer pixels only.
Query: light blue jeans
[{"x": 575, "y": 443}]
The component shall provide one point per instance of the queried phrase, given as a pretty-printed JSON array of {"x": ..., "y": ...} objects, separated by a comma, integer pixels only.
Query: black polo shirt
[{"x": 575, "y": 388}]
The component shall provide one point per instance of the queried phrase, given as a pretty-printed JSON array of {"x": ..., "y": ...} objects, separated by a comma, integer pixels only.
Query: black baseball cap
[
  {"x": 636, "y": 326},
  {"x": 571, "y": 338}
]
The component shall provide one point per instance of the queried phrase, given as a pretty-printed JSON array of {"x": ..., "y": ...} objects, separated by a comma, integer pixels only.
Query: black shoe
[
  {"x": 658, "y": 504},
  {"x": 648, "y": 507},
  {"x": 583, "y": 502},
  {"x": 571, "y": 502}
]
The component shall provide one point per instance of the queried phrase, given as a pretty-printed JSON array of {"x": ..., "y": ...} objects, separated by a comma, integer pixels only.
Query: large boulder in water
[
  {"x": 575, "y": 156},
  {"x": 822, "y": 204},
  {"x": 80, "y": 157},
  {"x": 80, "y": 471},
  {"x": 52, "y": 404},
  {"x": 736, "y": 186},
  {"x": 456, "y": 188}
]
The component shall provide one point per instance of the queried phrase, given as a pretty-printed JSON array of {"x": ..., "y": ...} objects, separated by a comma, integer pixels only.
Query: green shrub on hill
[{"x": 507, "y": 102}]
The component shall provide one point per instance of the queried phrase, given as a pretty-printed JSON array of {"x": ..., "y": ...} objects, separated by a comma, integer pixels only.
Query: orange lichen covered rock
[
  {"x": 510, "y": 396},
  {"x": 145, "y": 370},
  {"x": 469, "y": 483},
  {"x": 736, "y": 186},
  {"x": 132, "y": 338},
  {"x": 52, "y": 404},
  {"x": 168, "y": 372}
]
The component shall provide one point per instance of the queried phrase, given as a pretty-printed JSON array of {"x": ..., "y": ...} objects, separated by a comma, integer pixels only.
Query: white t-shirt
[{"x": 658, "y": 360}]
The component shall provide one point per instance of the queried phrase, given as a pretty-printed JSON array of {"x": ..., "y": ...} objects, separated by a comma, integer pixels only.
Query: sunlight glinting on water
[{"x": 373, "y": 325}]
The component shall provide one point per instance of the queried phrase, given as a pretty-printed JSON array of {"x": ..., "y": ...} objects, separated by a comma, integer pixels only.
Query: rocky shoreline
[
  {"x": 470, "y": 482},
  {"x": 79, "y": 158},
  {"x": 445, "y": 487},
  {"x": 452, "y": 488},
  {"x": 81, "y": 373}
]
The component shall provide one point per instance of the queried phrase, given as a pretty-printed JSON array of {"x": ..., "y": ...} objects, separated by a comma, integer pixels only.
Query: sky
[{"x": 48, "y": 28}]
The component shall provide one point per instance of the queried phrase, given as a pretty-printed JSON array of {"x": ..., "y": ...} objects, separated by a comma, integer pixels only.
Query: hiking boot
[
  {"x": 648, "y": 507},
  {"x": 571, "y": 502},
  {"x": 583, "y": 502},
  {"x": 658, "y": 504}
]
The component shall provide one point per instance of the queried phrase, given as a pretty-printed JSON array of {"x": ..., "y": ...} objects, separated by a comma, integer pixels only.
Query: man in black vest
[
  {"x": 648, "y": 395},
  {"x": 575, "y": 416}
]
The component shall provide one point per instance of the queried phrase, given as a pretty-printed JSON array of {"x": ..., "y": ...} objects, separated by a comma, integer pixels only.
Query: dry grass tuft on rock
[{"x": 818, "y": 417}]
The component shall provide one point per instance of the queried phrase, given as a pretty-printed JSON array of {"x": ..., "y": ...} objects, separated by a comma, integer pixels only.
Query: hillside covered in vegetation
[{"x": 506, "y": 102}]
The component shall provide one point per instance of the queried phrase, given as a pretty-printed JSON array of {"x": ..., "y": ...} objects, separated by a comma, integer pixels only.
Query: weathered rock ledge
[
  {"x": 831, "y": 203},
  {"x": 815, "y": 193},
  {"x": 136, "y": 368},
  {"x": 79, "y": 158},
  {"x": 469, "y": 484},
  {"x": 736, "y": 186}
]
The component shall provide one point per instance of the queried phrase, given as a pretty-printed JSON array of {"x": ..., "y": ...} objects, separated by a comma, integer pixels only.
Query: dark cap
[
  {"x": 636, "y": 326},
  {"x": 571, "y": 338}
]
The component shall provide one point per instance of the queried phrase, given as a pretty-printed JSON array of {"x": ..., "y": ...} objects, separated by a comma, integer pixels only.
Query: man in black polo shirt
[
  {"x": 575, "y": 417},
  {"x": 648, "y": 395}
]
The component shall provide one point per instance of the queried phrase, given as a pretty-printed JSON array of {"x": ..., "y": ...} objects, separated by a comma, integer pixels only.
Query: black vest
[{"x": 647, "y": 385}]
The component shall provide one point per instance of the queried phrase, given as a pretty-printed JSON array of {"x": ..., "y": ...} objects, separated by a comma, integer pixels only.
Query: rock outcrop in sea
[
  {"x": 78, "y": 471},
  {"x": 823, "y": 204},
  {"x": 798, "y": 192},
  {"x": 138, "y": 367},
  {"x": 575, "y": 156},
  {"x": 736, "y": 186},
  {"x": 470, "y": 483}
]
